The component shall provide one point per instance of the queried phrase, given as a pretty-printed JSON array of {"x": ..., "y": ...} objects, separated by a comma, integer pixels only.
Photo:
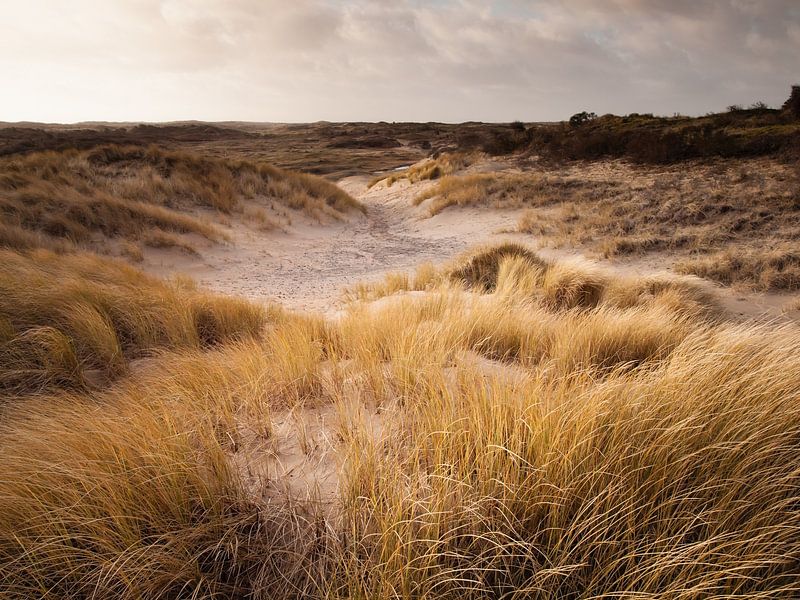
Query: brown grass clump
[
  {"x": 162, "y": 239},
  {"x": 133, "y": 192},
  {"x": 480, "y": 268},
  {"x": 506, "y": 190},
  {"x": 535, "y": 312},
  {"x": 517, "y": 273},
  {"x": 132, "y": 251},
  {"x": 259, "y": 216},
  {"x": 65, "y": 314},
  {"x": 425, "y": 277},
  {"x": 13, "y": 236},
  {"x": 764, "y": 270},
  {"x": 513, "y": 269},
  {"x": 430, "y": 168}
]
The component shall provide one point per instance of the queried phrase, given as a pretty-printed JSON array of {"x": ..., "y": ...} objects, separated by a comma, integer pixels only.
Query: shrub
[
  {"x": 580, "y": 118},
  {"x": 648, "y": 139},
  {"x": 792, "y": 104}
]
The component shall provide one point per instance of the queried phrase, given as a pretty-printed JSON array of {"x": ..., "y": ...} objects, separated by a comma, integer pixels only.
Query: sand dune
[{"x": 308, "y": 267}]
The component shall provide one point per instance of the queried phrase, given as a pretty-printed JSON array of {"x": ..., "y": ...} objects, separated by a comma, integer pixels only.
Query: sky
[{"x": 391, "y": 60}]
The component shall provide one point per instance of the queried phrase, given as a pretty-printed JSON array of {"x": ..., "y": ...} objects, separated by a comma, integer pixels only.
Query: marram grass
[{"x": 565, "y": 435}]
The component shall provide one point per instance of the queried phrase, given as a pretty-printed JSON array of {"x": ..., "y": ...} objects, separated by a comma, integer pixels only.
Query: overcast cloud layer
[{"x": 444, "y": 60}]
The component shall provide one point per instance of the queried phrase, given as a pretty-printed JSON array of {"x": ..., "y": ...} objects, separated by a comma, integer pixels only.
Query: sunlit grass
[{"x": 516, "y": 427}]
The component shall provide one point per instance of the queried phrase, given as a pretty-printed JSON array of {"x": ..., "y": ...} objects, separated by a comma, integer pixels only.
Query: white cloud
[{"x": 402, "y": 60}]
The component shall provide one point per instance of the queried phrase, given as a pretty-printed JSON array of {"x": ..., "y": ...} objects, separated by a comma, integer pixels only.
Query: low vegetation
[
  {"x": 520, "y": 426},
  {"x": 430, "y": 168},
  {"x": 765, "y": 270},
  {"x": 644, "y": 138},
  {"x": 660, "y": 140},
  {"x": 509, "y": 190},
  {"x": 501, "y": 426},
  {"x": 708, "y": 214},
  {"x": 85, "y": 198},
  {"x": 332, "y": 150},
  {"x": 514, "y": 271},
  {"x": 740, "y": 214}
]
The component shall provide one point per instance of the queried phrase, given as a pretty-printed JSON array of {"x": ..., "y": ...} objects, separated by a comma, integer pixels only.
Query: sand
[{"x": 308, "y": 266}]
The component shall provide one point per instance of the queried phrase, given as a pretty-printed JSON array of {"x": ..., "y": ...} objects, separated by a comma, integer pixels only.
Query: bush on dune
[{"x": 661, "y": 140}]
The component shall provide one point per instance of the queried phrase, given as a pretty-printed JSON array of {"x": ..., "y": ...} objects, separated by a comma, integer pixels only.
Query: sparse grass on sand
[
  {"x": 543, "y": 430},
  {"x": 162, "y": 239},
  {"x": 508, "y": 190},
  {"x": 59, "y": 199},
  {"x": 734, "y": 222},
  {"x": 697, "y": 206},
  {"x": 766, "y": 270}
]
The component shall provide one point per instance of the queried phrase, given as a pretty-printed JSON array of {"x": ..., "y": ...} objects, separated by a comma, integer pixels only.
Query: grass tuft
[{"x": 64, "y": 314}]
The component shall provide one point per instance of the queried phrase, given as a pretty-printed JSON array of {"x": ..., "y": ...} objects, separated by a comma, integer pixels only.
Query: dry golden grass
[
  {"x": 763, "y": 269},
  {"x": 132, "y": 251},
  {"x": 133, "y": 494},
  {"x": 657, "y": 482},
  {"x": 619, "y": 209},
  {"x": 259, "y": 216},
  {"x": 13, "y": 236},
  {"x": 161, "y": 239},
  {"x": 424, "y": 278},
  {"x": 514, "y": 269},
  {"x": 50, "y": 199},
  {"x": 430, "y": 168},
  {"x": 691, "y": 208},
  {"x": 507, "y": 190},
  {"x": 522, "y": 428},
  {"x": 61, "y": 315}
]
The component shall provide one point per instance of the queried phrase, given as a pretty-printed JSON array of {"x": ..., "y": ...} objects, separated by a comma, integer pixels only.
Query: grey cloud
[{"x": 381, "y": 59}]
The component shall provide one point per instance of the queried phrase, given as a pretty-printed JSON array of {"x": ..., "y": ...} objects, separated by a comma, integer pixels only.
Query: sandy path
[{"x": 310, "y": 266}]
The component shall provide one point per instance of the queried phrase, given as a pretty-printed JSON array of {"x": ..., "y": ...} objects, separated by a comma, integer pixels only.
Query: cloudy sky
[{"x": 443, "y": 60}]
